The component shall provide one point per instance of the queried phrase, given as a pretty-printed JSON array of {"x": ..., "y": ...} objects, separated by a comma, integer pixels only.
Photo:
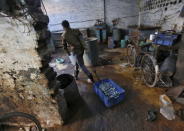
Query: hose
[{"x": 21, "y": 114}]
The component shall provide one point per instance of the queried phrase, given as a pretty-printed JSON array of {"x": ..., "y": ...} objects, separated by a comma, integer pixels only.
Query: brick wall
[
  {"x": 74, "y": 10},
  {"x": 81, "y": 10}
]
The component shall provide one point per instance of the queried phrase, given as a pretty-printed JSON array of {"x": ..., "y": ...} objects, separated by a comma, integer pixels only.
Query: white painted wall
[
  {"x": 74, "y": 11},
  {"x": 126, "y": 10},
  {"x": 160, "y": 17}
]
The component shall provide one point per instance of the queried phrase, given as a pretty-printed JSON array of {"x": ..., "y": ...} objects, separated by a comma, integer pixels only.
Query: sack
[{"x": 168, "y": 67}]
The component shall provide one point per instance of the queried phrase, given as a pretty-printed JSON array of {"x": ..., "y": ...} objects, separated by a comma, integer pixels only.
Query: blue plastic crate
[
  {"x": 109, "y": 101},
  {"x": 100, "y": 26},
  {"x": 166, "y": 39}
]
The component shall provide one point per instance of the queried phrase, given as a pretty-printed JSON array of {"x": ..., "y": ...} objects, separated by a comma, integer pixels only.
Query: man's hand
[
  {"x": 65, "y": 46},
  {"x": 72, "y": 48}
]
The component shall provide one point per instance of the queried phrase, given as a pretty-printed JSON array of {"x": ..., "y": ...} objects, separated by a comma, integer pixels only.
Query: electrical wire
[{"x": 73, "y": 22}]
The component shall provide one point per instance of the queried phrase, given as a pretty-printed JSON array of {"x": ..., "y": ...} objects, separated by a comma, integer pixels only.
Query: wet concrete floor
[{"x": 89, "y": 113}]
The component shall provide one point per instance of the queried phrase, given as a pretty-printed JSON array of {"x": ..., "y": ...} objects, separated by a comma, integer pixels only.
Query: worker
[{"x": 74, "y": 45}]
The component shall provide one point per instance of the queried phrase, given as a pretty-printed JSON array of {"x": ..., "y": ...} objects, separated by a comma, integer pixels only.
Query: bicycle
[{"x": 147, "y": 59}]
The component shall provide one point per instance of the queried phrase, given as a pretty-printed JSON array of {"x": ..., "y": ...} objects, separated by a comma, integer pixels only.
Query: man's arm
[
  {"x": 65, "y": 46},
  {"x": 79, "y": 32}
]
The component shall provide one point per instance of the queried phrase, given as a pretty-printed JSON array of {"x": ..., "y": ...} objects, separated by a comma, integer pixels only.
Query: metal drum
[
  {"x": 116, "y": 34},
  {"x": 104, "y": 35},
  {"x": 91, "y": 52},
  {"x": 68, "y": 84}
]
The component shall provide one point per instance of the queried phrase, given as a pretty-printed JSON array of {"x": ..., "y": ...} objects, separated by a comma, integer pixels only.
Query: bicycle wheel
[
  {"x": 16, "y": 115},
  {"x": 165, "y": 81},
  {"x": 131, "y": 55},
  {"x": 150, "y": 70}
]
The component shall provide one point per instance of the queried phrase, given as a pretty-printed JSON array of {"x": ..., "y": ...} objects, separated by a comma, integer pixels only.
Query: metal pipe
[
  {"x": 104, "y": 11},
  {"x": 44, "y": 7}
]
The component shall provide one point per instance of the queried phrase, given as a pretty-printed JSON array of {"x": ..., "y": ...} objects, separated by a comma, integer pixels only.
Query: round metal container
[
  {"x": 91, "y": 52},
  {"x": 68, "y": 84},
  {"x": 116, "y": 34}
]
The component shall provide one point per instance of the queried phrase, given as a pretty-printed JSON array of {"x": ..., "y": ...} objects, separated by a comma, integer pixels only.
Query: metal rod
[
  {"x": 105, "y": 11},
  {"x": 44, "y": 7}
]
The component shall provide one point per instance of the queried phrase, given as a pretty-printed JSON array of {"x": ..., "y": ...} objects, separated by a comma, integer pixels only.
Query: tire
[
  {"x": 131, "y": 55},
  {"x": 21, "y": 114},
  {"x": 150, "y": 70}
]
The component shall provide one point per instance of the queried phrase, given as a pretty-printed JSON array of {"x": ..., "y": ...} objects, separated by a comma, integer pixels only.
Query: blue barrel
[
  {"x": 104, "y": 35},
  {"x": 101, "y": 34},
  {"x": 123, "y": 43},
  {"x": 98, "y": 35},
  {"x": 91, "y": 52}
]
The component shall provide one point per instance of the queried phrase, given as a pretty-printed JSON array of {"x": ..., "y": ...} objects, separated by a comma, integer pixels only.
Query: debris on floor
[
  {"x": 180, "y": 98},
  {"x": 151, "y": 115},
  {"x": 167, "y": 109},
  {"x": 60, "y": 60},
  {"x": 177, "y": 94},
  {"x": 180, "y": 113},
  {"x": 125, "y": 65}
]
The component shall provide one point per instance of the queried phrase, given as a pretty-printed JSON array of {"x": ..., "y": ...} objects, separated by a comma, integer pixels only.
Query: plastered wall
[{"x": 23, "y": 87}]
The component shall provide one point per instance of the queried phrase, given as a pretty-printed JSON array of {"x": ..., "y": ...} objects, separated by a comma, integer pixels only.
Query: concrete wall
[
  {"x": 162, "y": 13},
  {"x": 22, "y": 87}
]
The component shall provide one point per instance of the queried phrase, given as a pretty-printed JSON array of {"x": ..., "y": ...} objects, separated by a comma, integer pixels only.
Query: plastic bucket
[
  {"x": 123, "y": 43},
  {"x": 73, "y": 59},
  {"x": 91, "y": 52},
  {"x": 152, "y": 37}
]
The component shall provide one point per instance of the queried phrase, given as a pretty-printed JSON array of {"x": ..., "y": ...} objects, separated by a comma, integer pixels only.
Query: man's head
[{"x": 65, "y": 24}]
